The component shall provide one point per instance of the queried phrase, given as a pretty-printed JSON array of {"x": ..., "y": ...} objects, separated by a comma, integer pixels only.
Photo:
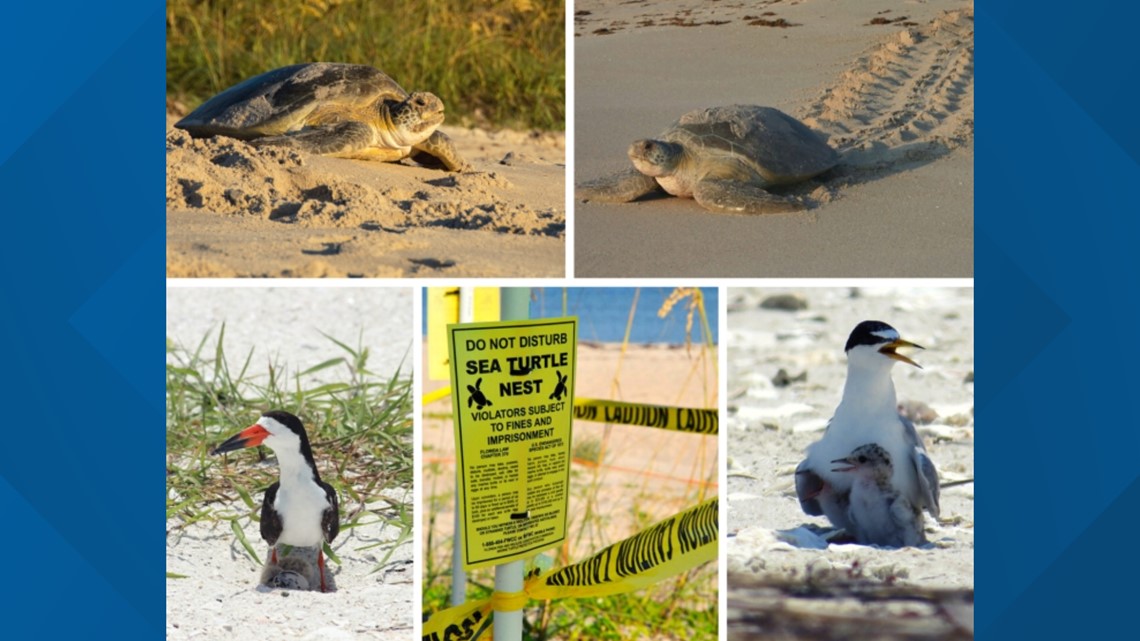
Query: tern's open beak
[
  {"x": 249, "y": 437},
  {"x": 846, "y": 463},
  {"x": 888, "y": 350}
]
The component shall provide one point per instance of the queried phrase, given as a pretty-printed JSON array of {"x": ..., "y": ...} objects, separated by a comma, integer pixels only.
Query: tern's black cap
[{"x": 871, "y": 332}]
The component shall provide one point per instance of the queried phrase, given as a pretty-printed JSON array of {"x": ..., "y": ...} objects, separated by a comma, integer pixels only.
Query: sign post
[{"x": 512, "y": 394}]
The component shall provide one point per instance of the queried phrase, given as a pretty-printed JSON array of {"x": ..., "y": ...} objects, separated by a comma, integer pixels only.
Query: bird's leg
[
  {"x": 273, "y": 554},
  {"x": 321, "y": 568}
]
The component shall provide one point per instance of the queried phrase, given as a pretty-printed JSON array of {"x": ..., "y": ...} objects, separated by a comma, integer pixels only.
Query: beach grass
[
  {"x": 494, "y": 64},
  {"x": 360, "y": 427}
]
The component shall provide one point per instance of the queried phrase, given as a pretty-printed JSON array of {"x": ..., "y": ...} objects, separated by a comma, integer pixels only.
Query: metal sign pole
[{"x": 514, "y": 305}]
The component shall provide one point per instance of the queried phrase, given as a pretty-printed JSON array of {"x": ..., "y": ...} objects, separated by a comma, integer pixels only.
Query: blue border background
[
  {"x": 1057, "y": 346},
  {"x": 82, "y": 309}
]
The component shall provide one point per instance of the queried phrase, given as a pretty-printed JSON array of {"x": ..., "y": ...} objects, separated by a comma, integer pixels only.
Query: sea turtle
[
  {"x": 724, "y": 157},
  {"x": 334, "y": 109}
]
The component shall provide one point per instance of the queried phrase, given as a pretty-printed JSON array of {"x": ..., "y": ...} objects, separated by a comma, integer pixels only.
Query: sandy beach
[
  {"x": 233, "y": 210},
  {"x": 649, "y": 474},
  {"x": 771, "y": 540},
  {"x": 889, "y": 84},
  {"x": 215, "y": 594}
]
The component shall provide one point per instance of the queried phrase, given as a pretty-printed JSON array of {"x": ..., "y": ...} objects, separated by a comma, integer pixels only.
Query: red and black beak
[
  {"x": 888, "y": 350},
  {"x": 249, "y": 437}
]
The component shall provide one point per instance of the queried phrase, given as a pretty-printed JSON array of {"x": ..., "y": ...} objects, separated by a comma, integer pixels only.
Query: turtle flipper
[
  {"x": 438, "y": 152},
  {"x": 620, "y": 188},
  {"x": 350, "y": 139},
  {"x": 735, "y": 197}
]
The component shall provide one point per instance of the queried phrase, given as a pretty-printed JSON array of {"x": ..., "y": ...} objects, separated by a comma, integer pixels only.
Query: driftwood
[{"x": 847, "y": 609}]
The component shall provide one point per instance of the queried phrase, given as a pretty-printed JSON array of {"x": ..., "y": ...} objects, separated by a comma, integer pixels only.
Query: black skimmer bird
[
  {"x": 880, "y": 514},
  {"x": 867, "y": 414},
  {"x": 300, "y": 509}
]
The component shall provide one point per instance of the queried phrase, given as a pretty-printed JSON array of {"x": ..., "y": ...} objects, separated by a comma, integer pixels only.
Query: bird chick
[{"x": 879, "y": 514}]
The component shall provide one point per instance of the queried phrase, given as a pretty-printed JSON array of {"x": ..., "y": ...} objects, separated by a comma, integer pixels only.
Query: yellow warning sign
[{"x": 512, "y": 388}]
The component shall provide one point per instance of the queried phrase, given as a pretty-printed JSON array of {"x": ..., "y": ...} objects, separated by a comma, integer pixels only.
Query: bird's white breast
[
  {"x": 301, "y": 509},
  {"x": 847, "y": 433}
]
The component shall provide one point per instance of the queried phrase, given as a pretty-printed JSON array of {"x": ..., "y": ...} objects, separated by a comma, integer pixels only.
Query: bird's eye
[{"x": 862, "y": 459}]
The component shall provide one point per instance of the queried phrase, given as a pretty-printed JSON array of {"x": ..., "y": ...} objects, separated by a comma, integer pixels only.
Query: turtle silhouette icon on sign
[
  {"x": 477, "y": 399},
  {"x": 559, "y": 389}
]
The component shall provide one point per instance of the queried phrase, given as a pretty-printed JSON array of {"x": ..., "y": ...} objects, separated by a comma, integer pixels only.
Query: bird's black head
[
  {"x": 270, "y": 430},
  {"x": 881, "y": 338},
  {"x": 288, "y": 420},
  {"x": 871, "y": 332}
]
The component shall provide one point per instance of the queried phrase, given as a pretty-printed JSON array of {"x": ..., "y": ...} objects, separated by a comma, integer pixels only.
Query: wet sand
[{"x": 896, "y": 100}]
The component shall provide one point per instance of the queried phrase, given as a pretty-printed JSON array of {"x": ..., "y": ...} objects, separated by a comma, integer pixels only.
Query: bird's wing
[
  {"x": 927, "y": 480},
  {"x": 330, "y": 519},
  {"x": 808, "y": 486},
  {"x": 907, "y": 522},
  {"x": 912, "y": 437},
  {"x": 270, "y": 519}
]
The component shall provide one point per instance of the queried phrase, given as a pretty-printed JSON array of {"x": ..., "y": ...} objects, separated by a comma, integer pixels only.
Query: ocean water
[{"x": 603, "y": 313}]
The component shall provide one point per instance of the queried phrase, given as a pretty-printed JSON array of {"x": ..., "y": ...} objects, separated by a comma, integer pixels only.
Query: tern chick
[{"x": 879, "y": 514}]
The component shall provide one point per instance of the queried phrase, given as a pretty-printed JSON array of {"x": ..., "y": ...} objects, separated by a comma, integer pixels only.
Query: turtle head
[
  {"x": 416, "y": 118},
  {"x": 656, "y": 157}
]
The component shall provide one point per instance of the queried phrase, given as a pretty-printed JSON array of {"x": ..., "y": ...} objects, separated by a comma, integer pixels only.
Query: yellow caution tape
[
  {"x": 508, "y": 601},
  {"x": 684, "y": 419},
  {"x": 675, "y": 545},
  {"x": 457, "y": 624},
  {"x": 435, "y": 395},
  {"x": 671, "y": 547}
]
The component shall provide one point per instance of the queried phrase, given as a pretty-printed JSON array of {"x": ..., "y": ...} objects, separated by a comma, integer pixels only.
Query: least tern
[{"x": 868, "y": 413}]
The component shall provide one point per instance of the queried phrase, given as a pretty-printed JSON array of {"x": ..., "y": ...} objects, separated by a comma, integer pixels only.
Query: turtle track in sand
[{"x": 907, "y": 101}]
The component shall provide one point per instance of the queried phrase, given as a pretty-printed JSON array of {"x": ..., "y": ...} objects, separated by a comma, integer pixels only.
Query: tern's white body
[{"x": 868, "y": 413}]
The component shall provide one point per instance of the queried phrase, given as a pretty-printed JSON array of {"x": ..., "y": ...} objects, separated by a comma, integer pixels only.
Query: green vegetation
[
  {"x": 683, "y": 608},
  {"x": 362, "y": 427},
  {"x": 498, "y": 63}
]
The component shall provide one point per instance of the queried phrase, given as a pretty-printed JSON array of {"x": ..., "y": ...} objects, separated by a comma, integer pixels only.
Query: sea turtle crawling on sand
[
  {"x": 726, "y": 158},
  {"x": 334, "y": 109}
]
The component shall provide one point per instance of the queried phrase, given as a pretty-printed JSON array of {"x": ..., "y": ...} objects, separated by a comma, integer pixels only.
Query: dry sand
[
  {"x": 890, "y": 84},
  {"x": 219, "y": 598},
  {"x": 233, "y": 210},
  {"x": 769, "y": 427},
  {"x": 649, "y": 474}
]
